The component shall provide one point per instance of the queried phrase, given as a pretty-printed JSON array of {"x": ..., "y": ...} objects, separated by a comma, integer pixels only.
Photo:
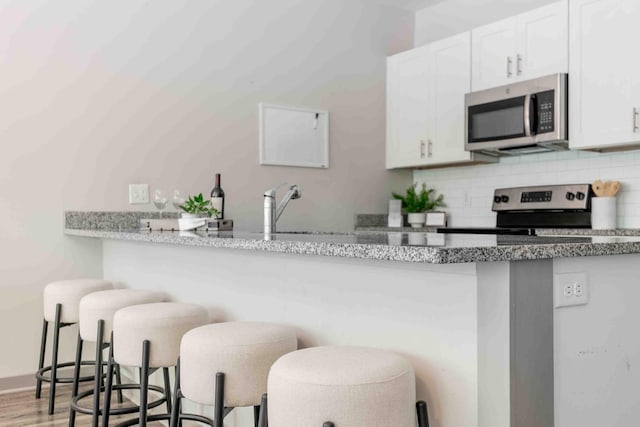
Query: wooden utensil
[
  {"x": 606, "y": 189},
  {"x": 614, "y": 187},
  {"x": 598, "y": 188}
]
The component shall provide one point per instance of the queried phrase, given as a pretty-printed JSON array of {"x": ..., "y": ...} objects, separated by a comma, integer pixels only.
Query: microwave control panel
[{"x": 546, "y": 111}]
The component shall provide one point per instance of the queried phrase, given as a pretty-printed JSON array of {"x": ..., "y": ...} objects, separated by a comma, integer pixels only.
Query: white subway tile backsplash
[
  {"x": 609, "y": 174},
  {"x": 510, "y": 160},
  {"x": 566, "y": 155},
  {"x": 468, "y": 190}
]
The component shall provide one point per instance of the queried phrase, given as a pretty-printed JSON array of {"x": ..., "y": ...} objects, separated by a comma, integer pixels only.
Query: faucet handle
[
  {"x": 272, "y": 191},
  {"x": 297, "y": 192}
]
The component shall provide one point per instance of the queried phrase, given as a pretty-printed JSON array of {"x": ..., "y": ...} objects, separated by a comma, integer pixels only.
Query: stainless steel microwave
[{"x": 524, "y": 117}]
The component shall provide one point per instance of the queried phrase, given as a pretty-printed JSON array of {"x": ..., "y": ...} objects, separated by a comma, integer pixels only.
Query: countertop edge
[
  {"x": 376, "y": 252},
  {"x": 379, "y": 252}
]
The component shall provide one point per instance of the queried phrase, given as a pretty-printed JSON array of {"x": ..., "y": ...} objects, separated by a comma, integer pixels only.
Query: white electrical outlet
[
  {"x": 466, "y": 200},
  {"x": 138, "y": 194},
  {"x": 570, "y": 289}
]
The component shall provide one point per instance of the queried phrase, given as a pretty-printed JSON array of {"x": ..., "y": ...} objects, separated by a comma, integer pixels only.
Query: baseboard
[{"x": 17, "y": 383}]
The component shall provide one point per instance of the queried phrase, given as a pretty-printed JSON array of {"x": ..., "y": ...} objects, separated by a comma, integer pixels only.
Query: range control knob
[
  {"x": 580, "y": 195},
  {"x": 570, "y": 196},
  {"x": 496, "y": 199},
  {"x": 504, "y": 199}
]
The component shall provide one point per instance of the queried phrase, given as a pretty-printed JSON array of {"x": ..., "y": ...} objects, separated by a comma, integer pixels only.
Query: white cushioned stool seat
[
  {"x": 162, "y": 324},
  {"x": 243, "y": 351},
  {"x": 103, "y": 306},
  {"x": 349, "y": 386},
  {"x": 68, "y": 293}
]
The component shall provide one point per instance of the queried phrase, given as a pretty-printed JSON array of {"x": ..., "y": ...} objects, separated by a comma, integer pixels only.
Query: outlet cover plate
[
  {"x": 563, "y": 282},
  {"x": 138, "y": 194}
]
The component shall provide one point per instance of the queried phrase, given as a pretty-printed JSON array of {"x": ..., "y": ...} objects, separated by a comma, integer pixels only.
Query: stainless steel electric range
[{"x": 520, "y": 210}]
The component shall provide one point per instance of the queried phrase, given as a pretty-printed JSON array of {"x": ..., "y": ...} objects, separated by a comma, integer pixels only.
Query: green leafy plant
[
  {"x": 197, "y": 205},
  {"x": 417, "y": 202}
]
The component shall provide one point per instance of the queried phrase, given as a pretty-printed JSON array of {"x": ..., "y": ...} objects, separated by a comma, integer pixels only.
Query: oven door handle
[{"x": 527, "y": 115}]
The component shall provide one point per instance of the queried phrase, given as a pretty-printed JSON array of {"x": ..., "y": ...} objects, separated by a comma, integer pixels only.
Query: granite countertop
[{"x": 405, "y": 247}]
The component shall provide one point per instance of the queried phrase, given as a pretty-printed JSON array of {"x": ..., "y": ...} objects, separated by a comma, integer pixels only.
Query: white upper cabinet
[
  {"x": 449, "y": 80},
  {"x": 523, "y": 47},
  {"x": 493, "y": 54},
  {"x": 604, "y": 74},
  {"x": 425, "y": 104},
  {"x": 407, "y": 107}
]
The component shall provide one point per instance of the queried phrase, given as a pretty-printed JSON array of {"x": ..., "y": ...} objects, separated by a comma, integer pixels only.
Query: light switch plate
[
  {"x": 570, "y": 289},
  {"x": 138, "y": 194}
]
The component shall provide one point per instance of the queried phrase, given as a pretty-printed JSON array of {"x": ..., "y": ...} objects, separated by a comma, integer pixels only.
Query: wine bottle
[{"x": 217, "y": 198}]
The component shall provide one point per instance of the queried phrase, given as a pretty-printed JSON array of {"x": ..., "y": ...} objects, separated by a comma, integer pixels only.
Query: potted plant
[
  {"x": 415, "y": 203},
  {"x": 196, "y": 211},
  {"x": 198, "y": 207}
]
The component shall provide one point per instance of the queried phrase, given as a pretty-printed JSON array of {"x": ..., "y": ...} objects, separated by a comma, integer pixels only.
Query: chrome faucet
[{"x": 271, "y": 213}]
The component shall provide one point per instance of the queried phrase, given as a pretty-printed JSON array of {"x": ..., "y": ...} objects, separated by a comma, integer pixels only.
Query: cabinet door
[
  {"x": 449, "y": 80},
  {"x": 407, "y": 105},
  {"x": 604, "y": 74},
  {"x": 543, "y": 41},
  {"x": 494, "y": 54}
]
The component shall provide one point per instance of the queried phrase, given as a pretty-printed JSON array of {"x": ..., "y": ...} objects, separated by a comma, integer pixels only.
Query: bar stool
[
  {"x": 61, "y": 301},
  {"x": 148, "y": 337},
  {"x": 343, "y": 387},
  {"x": 227, "y": 364},
  {"x": 96, "y": 314}
]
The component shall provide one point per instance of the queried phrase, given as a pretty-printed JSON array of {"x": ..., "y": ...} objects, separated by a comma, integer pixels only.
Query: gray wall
[
  {"x": 95, "y": 95},
  {"x": 449, "y": 17}
]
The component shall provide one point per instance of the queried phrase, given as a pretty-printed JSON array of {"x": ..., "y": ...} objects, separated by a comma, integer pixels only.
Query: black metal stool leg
[
  {"x": 167, "y": 388},
  {"x": 43, "y": 348},
  {"x": 54, "y": 360},
  {"x": 263, "y": 422},
  {"x": 76, "y": 379},
  {"x": 118, "y": 381},
  {"x": 97, "y": 383},
  {"x": 144, "y": 383},
  {"x": 108, "y": 386},
  {"x": 218, "y": 416},
  {"x": 256, "y": 415},
  {"x": 175, "y": 412},
  {"x": 423, "y": 416}
]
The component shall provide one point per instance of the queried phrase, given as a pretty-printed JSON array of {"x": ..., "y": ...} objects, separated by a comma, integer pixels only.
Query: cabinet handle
[
  {"x": 509, "y": 62},
  {"x": 422, "y": 149},
  {"x": 430, "y": 149},
  {"x": 636, "y": 113},
  {"x": 519, "y": 64}
]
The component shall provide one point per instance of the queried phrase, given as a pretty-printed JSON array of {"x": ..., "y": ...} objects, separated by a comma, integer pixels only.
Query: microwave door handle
[
  {"x": 533, "y": 117},
  {"x": 527, "y": 115}
]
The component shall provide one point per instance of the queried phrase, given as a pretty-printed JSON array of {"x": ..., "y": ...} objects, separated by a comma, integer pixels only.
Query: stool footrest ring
[
  {"x": 40, "y": 373},
  {"x": 166, "y": 417},
  {"x": 75, "y": 402}
]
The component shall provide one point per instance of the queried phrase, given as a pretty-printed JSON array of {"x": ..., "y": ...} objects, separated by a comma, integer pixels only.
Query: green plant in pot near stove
[{"x": 416, "y": 203}]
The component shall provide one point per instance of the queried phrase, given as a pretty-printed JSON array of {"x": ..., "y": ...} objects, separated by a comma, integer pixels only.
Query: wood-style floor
[{"x": 21, "y": 409}]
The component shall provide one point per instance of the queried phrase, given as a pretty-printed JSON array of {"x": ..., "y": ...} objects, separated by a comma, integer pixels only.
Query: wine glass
[
  {"x": 178, "y": 199},
  {"x": 160, "y": 199}
]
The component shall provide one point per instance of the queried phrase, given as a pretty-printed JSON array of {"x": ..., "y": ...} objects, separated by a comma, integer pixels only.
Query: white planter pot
[
  {"x": 191, "y": 221},
  {"x": 186, "y": 215},
  {"x": 417, "y": 220}
]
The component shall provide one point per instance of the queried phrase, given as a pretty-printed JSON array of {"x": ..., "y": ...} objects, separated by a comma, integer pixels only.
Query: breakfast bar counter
[{"x": 475, "y": 314}]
